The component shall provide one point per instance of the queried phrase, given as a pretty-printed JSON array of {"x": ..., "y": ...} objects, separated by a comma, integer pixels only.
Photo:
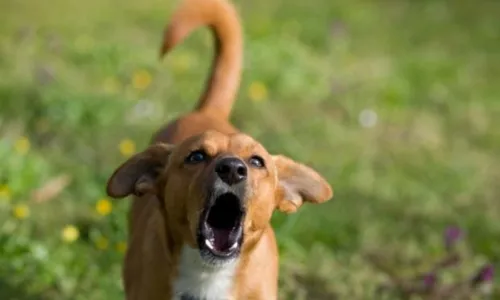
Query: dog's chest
[{"x": 198, "y": 281}]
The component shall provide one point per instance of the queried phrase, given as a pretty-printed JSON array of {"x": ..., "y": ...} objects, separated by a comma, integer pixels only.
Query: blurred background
[{"x": 395, "y": 102}]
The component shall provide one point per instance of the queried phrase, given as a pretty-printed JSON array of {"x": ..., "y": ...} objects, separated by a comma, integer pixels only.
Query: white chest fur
[{"x": 202, "y": 281}]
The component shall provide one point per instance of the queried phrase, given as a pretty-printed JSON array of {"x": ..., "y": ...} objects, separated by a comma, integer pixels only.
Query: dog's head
[{"x": 218, "y": 191}]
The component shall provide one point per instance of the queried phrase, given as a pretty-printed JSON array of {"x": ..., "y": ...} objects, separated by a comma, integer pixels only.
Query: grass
[{"x": 395, "y": 102}]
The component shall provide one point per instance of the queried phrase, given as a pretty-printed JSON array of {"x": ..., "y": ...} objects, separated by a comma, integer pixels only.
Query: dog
[{"x": 204, "y": 193}]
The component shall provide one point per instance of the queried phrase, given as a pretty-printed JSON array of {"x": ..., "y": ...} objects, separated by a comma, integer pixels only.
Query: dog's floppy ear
[
  {"x": 297, "y": 184},
  {"x": 138, "y": 174}
]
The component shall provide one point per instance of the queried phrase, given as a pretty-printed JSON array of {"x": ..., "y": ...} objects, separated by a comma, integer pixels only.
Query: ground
[{"x": 395, "y": 102}]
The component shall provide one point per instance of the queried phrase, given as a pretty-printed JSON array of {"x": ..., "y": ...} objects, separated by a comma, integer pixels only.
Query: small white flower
[
  {"x": 368, "y": 118},
  {"x": 40, "y": 252},
  {"x": 143, "y": 109}
]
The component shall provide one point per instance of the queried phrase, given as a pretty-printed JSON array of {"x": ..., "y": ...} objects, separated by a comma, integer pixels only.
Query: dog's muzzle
[{"x": 220, "y": 233}]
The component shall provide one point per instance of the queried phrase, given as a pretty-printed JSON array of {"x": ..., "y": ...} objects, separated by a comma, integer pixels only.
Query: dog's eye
[
  {"x": 256, "y": 161},
  {"x": 196, "y": 157}
]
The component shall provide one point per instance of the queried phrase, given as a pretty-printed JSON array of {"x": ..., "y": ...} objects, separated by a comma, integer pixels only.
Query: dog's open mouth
[{"x": 221, "y": 226}]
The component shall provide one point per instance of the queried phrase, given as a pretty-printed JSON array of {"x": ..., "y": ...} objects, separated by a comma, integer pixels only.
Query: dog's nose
[{"x": 231, "y": 170}]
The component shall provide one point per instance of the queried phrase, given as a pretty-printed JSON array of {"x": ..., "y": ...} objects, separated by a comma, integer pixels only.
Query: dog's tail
[{"x": 222, "y": 18}]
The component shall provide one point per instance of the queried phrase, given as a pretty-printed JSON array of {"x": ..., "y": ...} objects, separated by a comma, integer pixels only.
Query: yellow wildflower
[
  {"x": 104, "y": 207},
  {"x": 22, "y": 145},
  {"x": 127, "y": 147},
  {"x": 121, "y": 247},
  {"x": 257, "y": 91},
  {"x": 141, "y": 79},
  {"x": 70, "y": 234},
  {"x": 111, "y": 85},
  {"x": 183, "y": 62},
  {"x": 4, "y": 193},
  {"x": 21, "y": 211},
  {"x": 102, "y": 243}
]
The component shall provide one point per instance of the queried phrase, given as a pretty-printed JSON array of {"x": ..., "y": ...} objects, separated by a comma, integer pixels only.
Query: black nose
[{"x": 231, "y": 170}]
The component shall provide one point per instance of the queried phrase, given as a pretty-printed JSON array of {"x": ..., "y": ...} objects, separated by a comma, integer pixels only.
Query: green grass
[{"x": 429, "y": 69}]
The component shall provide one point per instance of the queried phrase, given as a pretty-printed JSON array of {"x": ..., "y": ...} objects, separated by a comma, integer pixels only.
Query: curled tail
[{"x": 224, "y": 79}]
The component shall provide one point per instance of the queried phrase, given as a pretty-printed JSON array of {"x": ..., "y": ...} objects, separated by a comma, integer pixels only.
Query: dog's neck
[{"x": 198, "y": 281}]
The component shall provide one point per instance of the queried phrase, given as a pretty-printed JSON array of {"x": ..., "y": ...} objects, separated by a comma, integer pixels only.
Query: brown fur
[{"x": 169, "y": 195}]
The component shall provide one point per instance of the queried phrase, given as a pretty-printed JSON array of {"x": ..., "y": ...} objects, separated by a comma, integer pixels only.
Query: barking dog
[{"x": 204, "y": 193}]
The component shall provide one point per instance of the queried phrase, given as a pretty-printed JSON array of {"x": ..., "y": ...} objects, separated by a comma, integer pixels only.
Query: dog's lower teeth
[
  {"x": 209, "y": 244},
  {"x": 234, "y": 246}
]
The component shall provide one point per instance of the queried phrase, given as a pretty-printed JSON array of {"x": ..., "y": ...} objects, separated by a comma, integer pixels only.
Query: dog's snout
[{"x": 231, "y": 170}]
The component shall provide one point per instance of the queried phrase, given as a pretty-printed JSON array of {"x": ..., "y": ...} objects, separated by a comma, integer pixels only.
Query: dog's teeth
[
  {"x": 209, "y": 244},
  {"x": 234, "y": 246}
]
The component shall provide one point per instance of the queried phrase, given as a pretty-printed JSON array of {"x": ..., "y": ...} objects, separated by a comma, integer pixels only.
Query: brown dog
[{"x": 204, "y": 193}]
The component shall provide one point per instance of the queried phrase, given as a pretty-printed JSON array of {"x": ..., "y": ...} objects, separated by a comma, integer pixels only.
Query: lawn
[{"x": 395, "y": 102}]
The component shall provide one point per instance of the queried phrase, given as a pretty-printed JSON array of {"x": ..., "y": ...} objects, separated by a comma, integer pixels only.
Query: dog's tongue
[{"x": 221, "y": 239}]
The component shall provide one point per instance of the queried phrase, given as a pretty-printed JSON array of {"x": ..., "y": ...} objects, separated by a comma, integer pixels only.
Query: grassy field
[{"x": 395, "y": 102}]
